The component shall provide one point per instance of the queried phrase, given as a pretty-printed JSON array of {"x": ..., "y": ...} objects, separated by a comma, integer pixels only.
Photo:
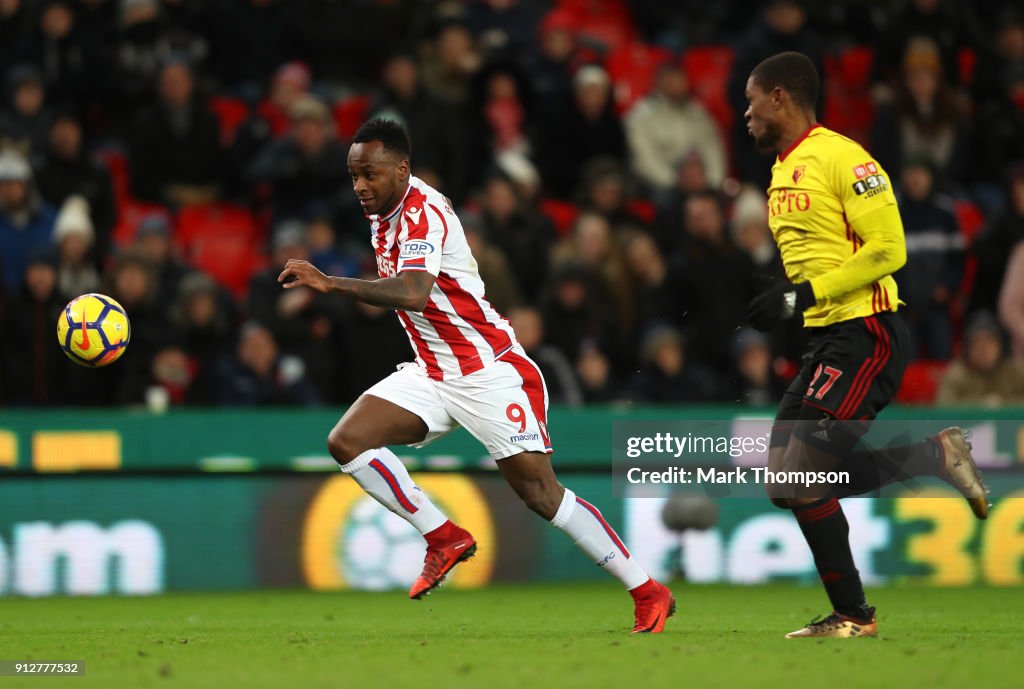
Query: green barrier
[
  {"x": 294, "y": 440},
  {"x": 102, "y": 534}
]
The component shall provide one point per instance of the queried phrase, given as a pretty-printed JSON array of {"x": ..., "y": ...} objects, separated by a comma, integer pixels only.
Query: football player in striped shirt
[{"x": 469, "y": 371}]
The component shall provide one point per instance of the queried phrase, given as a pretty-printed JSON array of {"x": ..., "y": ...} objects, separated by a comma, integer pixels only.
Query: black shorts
[{"x": 850, "y": 372}]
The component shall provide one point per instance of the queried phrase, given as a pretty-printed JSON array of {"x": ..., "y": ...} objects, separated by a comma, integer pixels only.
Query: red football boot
[
  {"x": 654, "y": 604},
  {"x": 447, "y": 546}
]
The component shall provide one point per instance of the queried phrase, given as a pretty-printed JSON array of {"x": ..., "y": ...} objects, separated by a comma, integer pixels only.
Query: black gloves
[{"x": 778, "y": 303}]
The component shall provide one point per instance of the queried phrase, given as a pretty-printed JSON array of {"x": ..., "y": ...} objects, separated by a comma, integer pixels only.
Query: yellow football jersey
[{"x": 821, "y": 186}]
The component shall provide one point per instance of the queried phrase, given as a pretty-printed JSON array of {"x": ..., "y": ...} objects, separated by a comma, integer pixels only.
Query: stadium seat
[
  {"x": 349, "y": 113},
  {"x": 215, "y": 219},
  {"x": 606, "y": 24},
  {"x": 632, "y": 70},
  {"x": 562, "y": 214},
  {"x": 969, "y": 219},
  {"x": 708, "y": 69},
  {"x": 231, "y": 113},
  {"x": 849, "y": 108},
  {"x": 116, "y": 162},
  {"x": 642, "y": 209},
  {"x": 229, "y": 259},
  {"x": 129, "y": 214},
  {"x": 967, "y": 60},
  {"x": 921, "y": 382}
]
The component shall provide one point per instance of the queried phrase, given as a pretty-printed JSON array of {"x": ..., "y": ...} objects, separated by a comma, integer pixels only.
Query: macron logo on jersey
[{"x": 414, "y": 215}]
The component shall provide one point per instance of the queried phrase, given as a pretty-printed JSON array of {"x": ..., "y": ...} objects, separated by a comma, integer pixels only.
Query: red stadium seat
[
  {"x": 228, "y": 258},
  {"x": 129, "y": 214},
  {"x": 708, "y": 69},
  {"x": 642, "y": 209},
  {"x": 632, "y": 69},
  {"x": 349, "y": 113},
  {"x": 849, "y": 108},
  {"x": 967, "y": 60},
  {"x": 562, "y": 214},
  {"x": 969, "y": 218},
  {"x": 216, "y": 219},
  {"x": 605, "y": 23},
  {"x": 116, "y": 163},
  {"x": 231, "y": 113},
  {"x": 921, "y": 382}
]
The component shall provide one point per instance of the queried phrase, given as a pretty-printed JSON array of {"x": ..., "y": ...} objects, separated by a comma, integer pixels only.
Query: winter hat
[{"x": 74, "y": 219}]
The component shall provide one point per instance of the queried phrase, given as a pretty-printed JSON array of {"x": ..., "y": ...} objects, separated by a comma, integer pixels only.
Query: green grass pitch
[{"x": 528, "y": 637}]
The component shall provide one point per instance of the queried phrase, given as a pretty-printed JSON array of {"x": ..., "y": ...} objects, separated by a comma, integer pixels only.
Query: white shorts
[{"x": 503, "y": 405}]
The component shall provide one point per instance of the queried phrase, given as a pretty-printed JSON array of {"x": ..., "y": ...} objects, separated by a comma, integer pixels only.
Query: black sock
[
  {"x": 828, "y": 534},
  {"x": 871, "y": 469}
]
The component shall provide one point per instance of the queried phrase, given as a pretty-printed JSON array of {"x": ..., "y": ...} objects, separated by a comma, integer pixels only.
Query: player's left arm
[
  {"x": 869, "y": 205},
  {"x": 407, "y": 291}
]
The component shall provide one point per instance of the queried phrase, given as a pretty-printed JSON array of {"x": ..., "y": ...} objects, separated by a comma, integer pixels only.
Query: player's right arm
[{"x": 407, "y": 291}]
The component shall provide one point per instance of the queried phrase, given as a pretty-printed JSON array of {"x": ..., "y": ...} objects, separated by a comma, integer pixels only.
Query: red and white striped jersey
[{"x": 458, "y": 332}]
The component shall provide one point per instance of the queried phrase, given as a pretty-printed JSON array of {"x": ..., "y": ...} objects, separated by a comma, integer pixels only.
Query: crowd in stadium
[{"x": 175, "y": 153}]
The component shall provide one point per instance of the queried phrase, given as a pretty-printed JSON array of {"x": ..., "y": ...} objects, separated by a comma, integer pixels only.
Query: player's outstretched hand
[{"x": 297, "y": 273}]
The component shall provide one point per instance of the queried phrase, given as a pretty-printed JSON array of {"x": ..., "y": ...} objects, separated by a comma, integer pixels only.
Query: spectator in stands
[
  {"x": 73, "y": 234},
  {"x": 783, "y": 26},
  {"x": 206, "y": 316},
  {"x": 502, "y": 287},
  {"x": 153, "y": 240},
  {"x": 433, "y": 127},
  {"x": 750, "y": 232},
  {"x": 580, "y": 132},
  {"x": 1011, "y": 300},
  {"x": 501, "y": 116},
  {"x": 930, "y": 280},
  {"x": 923, "y": 120},
  {"x": 67, "y": 170},
  {"x": 573, "y": 315},
  {"x": 562, "y": 387},
  {"x": 648, "y": 274},
  {"x": 597, "y": 380},
  {"x": 25, "y": 220},
  {"x": 175, "y": 146},
  {"x": 61, "y": 54},
  {"x": 708, "y": 307},
  {"x": 138, "y": 58},
  {"x": 944, "y": 24},
  {"x": 14, "y": 34},
  {"x": 172, "y": 376},
  {"x": 755, "y": 382},
  {"x": 998, "y": 135},
  {"x": 326, "y": 253},
  {"x": 984, "y": 375},
  {"x": 999, "y": 59},
  {"x": 690, "y": 178},
  {"x": 33, "y": 368},
  {"x": 26, "y": 120},
  {"x": 992, "y": 247},
  {"x": 503, "y": 25},
  {"x": 249, "y": 39},
  {"x": 131, "y": 280},
  {"x": 308, "y": 167},
  {"x": 291, "y": 81},
  {"x": 603, "y": 190},
  {"x": 666, "y": 126},
  {"x": 448, "y": 70},
  {"x": 667, "y": 376},
  {"x": 302, "y": 321},
  {"x": 552, "y": 66},
  {"x": 593, "y": 246},
  {"x": 260, "y": 375},
  {"x": 523, "y": 234}
]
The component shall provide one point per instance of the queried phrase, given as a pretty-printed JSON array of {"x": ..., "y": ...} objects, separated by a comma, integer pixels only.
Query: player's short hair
[
  {"x": 793, "y": 72},
  {"x": 390, "y": 133}
]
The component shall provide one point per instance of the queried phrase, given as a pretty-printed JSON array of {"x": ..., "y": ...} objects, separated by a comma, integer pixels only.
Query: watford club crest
[{"x": 798, "y": 173}]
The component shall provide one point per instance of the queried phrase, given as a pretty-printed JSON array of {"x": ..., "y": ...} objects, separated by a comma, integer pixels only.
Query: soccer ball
[{"x": 93, "y": 330}]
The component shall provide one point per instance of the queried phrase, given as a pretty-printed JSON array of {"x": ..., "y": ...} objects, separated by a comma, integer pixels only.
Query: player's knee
[
  {"x": 542, "y": 498},
  {"x": 344, "y": 444}
]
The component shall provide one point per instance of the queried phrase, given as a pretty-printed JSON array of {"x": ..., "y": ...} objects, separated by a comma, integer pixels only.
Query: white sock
[
  {"x": 383, "y": 476},
  {"x": 594, "y": 536}
]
